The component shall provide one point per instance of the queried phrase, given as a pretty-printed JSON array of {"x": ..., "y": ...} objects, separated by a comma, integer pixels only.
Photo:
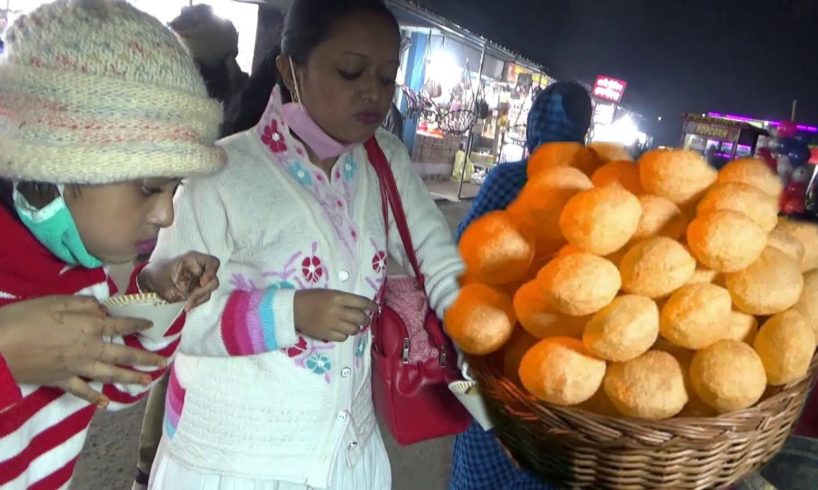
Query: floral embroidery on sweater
[
  {"x": 307, "y": 354},
  {"x": 379, "y": 263},
  {"x": 290, "y": 154},
  {"x": 273, "y": 138},
  {"x": 303, "y": 271}
]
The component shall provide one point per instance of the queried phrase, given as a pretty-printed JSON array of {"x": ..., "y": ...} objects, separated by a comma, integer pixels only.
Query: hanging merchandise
[{"x": 789, "y": 156}]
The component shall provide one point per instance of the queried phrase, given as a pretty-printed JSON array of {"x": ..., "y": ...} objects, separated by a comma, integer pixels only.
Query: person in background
[
  {"x": 272, "y": 385},
  {"x": 561, "y": 113},
  {"x": 102, "y": 113},
  {"x": 214, "y": 44},
  {"x": 247, "y": 107}
]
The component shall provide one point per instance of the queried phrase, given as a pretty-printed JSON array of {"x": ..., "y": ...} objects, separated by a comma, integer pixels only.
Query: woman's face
[
  {"x": 118, "y": 222},
  {"x": 348, "y": 82}
]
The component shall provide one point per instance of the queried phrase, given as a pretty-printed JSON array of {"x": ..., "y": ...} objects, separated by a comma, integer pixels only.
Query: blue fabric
[
  {"x": 548, "y": 121},
  {"x": 501, "y": 187},
  {"x": 479, "y": 462}
]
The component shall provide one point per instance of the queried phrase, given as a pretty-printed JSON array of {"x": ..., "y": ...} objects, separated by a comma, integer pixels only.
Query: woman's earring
[{"x": 295, "y": 84}]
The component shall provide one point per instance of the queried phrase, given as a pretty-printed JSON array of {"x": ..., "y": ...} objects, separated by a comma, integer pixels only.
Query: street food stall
[{"x": 719, "y": 139}]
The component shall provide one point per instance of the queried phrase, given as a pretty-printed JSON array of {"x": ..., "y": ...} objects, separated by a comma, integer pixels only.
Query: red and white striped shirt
[{"x": 42, "y": 430}]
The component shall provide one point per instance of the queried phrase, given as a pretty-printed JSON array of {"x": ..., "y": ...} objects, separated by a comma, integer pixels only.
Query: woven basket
[{"x": 578, "y": 449}]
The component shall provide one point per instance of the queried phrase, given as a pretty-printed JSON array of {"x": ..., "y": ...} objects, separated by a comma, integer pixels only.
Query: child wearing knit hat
[{"x": 102, "y": 113}]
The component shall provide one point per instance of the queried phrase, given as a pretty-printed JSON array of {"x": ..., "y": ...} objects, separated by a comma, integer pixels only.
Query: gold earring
[{"x": 295, "y": 84}]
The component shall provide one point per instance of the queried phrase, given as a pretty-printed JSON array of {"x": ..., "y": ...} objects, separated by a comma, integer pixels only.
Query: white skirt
[{"x": 371, "y": 472}]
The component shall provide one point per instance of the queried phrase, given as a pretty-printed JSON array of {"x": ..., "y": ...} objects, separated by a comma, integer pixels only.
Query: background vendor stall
[{"x": 465, "y": 100}]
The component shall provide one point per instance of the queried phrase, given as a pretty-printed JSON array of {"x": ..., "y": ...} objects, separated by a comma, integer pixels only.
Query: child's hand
[
  {"x": 190, "y": 277},
  {"x": 330, "y": 315}
]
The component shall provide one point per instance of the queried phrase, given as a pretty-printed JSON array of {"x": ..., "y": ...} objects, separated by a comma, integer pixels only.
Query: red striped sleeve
[
  {"x": 46, "y": 440},
  {"x": 56, "y": 479},
  {"x": 25, "y": 409},
  {"x": 9, "y": 391}
]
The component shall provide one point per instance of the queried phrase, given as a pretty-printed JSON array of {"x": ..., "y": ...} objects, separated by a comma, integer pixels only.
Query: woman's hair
[{"x": 307, "y": 24}]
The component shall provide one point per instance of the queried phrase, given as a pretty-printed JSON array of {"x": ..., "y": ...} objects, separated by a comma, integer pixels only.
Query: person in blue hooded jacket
[{"x": 560, "y": 113}]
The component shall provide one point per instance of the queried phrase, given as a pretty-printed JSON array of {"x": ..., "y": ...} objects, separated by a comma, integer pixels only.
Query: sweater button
[
  {"x": 342, "y": 416},
  {"x": 352, "y": 445},
  {"x": 343, "y": 275},
  {"x": 346, "y": 372}
]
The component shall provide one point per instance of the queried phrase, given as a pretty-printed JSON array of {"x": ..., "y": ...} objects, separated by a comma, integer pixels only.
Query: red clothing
[{"x": 42, "y": 430}]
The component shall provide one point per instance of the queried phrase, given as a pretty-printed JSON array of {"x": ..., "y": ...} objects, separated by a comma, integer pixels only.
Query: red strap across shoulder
[{"x": 390, "y": 196}]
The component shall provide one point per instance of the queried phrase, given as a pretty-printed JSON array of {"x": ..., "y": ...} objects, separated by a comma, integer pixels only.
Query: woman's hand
[
  {"x": 190, "y": 277},
  {"x": 60, "y": 340},
  {"x": 331, "y": 315}
]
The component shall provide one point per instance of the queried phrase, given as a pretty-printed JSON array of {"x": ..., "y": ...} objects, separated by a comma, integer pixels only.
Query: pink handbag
[{"x": 413, "y": 361}]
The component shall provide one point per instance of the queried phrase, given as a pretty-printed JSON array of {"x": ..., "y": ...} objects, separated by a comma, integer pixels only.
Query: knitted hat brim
[{"x": 71, "y": 127}]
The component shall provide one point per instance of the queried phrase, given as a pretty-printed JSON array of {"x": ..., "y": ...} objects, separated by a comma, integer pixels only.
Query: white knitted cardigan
[{"x": 278, "y": 224}]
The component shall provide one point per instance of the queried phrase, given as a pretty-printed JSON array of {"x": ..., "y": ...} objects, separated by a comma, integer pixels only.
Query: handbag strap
[{"x": 391, "y": 199}]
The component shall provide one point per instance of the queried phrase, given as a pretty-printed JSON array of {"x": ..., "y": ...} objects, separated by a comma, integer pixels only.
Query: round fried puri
[
  {"x": 785, "y": 344},
  {"x": 770, "y": 285},
  {"x": 660, "y": 217},
  {"x": 656, "y": 267},
  {"x": 725, "y": 241},
  {"x": 539, "y": 318},
  {"x": 623, "y": 330},
  {"x": 480, "y": 320},
  {"x": 742, "y": 198},
  {"x": 742, "y": 327},
  {"x": 609, "y": 152},
  {"x": 787, "y": 243},
  {"x": 648, "y": 387},
  {"x": 601, "y": 220},
  {"x": 695, "y": 316},
  {"x": 702, "y": 275},
  {"x": 562, "y": 154},
  {"x": 559, "y": 370},
  {"x": 496, "y": 250},
  {"x": 753, "y": 172},
  {"x": 624, "y": 173},
  {"x": 580, "y": 284},
  {"x": 681, "y": 176},
  {"x": 543, "y": 198},
  {"x": 512, "y": 353},
  {"x": 807, "y": 304},
  {"x": 728, "y": 376},
  {"x": 807, "y": 233}
]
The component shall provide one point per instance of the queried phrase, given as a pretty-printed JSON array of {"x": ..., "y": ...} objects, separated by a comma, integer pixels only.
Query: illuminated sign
[
  {"x": 604, "y": 113},
  {"x": 610, "y": 89},
  {"x": 711, "y": 130}
]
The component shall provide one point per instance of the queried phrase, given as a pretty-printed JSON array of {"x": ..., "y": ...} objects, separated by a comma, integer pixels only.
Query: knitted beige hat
[{"x": 95, "y": 92}]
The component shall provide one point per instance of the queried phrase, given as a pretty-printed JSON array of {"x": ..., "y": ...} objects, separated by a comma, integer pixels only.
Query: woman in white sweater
[{"x": 271, "y": 386}]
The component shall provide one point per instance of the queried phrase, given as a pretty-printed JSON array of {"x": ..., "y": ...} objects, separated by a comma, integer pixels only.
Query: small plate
[
  {"x": 468, "y": 394},
  {"x": 147, "y": 307}
]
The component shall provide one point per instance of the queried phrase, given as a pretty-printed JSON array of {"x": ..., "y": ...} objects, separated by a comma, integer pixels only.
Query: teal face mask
[{"x": 55, "y": 228}]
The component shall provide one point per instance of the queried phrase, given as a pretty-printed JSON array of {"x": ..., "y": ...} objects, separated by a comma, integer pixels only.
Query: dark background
[{"x": 733, "y": 56}]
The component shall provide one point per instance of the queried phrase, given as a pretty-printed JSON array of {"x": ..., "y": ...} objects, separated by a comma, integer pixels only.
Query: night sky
[{"x": 739, "y": 56}]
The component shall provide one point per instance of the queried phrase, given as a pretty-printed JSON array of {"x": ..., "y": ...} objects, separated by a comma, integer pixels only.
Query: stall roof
[
  {"x": 724, "y": 122},
  {"x": 412, "y": 14}
]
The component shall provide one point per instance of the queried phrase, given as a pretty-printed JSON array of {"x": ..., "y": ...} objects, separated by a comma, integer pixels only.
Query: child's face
[{"x": 118, "y": 222}]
